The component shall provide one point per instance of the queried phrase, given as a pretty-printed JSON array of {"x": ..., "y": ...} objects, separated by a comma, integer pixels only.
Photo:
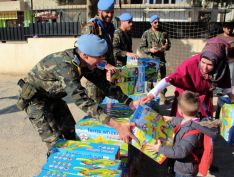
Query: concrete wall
[
  {"x": 20, "y": 57},
  {"x": 12, "y": 5}
]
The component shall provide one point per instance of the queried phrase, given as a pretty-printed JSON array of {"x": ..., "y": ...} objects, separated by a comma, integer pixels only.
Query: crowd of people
[{"x": 101, "y": 47}]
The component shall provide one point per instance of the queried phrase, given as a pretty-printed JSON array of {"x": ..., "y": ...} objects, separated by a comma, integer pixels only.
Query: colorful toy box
[
  {"x": 227, "y": 118},
  {"x": 130, "y": 79},
  {"x": 151, "y": 67},
  {"x": 87, "y": 149},
  {"x": 145, "y": 139},
  {"x": 69, "y": 161},
  {"x": 81, "y": 172},
  {"x": 135, "y": 96},
  {"x": 153, "y": 124},
  {"x": 92, "y": 130},
  {"x": 117, "y": 110},
  {"x": 53, "y": 173}
]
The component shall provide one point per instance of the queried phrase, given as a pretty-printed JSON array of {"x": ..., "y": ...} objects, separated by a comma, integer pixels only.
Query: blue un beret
[
  {"x": 92, "y": 45},
  {"x": 106, "y": 4},
  {"x": 125, "y": 17},
  {"x": 153, "y": 17}
]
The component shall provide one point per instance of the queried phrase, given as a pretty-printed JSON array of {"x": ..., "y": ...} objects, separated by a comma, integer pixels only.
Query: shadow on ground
[{"x": 9, "y": 109}]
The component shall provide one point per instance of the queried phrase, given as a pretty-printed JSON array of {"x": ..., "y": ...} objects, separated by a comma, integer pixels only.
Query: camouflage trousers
[
  {"x": 52, "y": 119},
  {"x": 94, "y": 92},
  {"x": 161, "y": 75}
]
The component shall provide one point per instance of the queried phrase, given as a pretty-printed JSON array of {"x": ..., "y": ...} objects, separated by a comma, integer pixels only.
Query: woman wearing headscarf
[{"x": 202, "y": 74}]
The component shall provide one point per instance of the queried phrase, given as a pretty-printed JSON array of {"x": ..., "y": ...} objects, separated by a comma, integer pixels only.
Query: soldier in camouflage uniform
[
  {"x": 154, "y": 43},
  {"x": 104, "y": 28},
  {"x": 122, "y": 42},
  {"x": 58, "y": 75}
]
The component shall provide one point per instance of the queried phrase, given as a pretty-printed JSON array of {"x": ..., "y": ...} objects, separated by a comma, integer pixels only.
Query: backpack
[{"x": 207, "y": 156}]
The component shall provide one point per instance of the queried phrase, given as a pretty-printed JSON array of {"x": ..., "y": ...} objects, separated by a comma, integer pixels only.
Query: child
[{"x": 184, "y": 147}]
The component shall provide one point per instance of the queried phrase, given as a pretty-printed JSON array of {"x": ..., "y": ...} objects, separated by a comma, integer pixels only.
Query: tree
[{"x": 91, "y": 8}]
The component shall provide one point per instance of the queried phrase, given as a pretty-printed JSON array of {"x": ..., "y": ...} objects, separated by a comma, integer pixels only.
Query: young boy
[{"x": 184, "y": 147}]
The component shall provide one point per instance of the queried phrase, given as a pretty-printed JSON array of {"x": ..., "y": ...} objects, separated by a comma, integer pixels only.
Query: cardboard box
[
  {"x": 117, "y": 110},
  {"x": 91, "y": 130},
  {"x": 135, "y": 96},
  {"x": 151, "y": 67},
  {"x": 153, "y": 124},
  {"x": 87, "y": 149},
  {"x": 131, "y": 79},
  {"x": 227, "y": 118},
  {"x": 81, "y": 172},
  {"x": 69, "y": 161},
  {"x": 145, "y": 139}
]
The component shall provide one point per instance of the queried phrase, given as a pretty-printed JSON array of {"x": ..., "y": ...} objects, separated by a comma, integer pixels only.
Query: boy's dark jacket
[{"x": 183, "y": 147}]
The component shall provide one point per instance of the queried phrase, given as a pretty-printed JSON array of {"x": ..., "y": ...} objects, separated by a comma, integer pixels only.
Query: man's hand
[
  {"x": 146, "y": 99},
  {"x": 124, "y": 130},
  {"x": 165, "y": 47},
  {"x": 110, "y": 68},
  {"x": 133, "y": 105},
  {"x": 153, "y": 50},
  {"x": 132, "y": 55}
]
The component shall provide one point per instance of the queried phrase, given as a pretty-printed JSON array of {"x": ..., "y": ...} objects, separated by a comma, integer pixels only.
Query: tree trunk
[{"x": 91, "y": 8}]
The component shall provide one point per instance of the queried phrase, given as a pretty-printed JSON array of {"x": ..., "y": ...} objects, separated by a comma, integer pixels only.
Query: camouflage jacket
[
  {"x": 151, "y": 39},
  {"x": 122, "y": 43},
  {"x": 95, "y": 26},
  {"x": 58, "y": 76}
]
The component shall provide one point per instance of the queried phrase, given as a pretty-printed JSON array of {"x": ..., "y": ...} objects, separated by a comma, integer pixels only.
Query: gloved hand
[{"x": 28, "y": 91}]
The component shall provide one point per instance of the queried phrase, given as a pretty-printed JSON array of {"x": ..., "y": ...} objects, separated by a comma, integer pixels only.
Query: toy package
[
  {"x": 153, "y": 124},
  {"x": 92, "y": 130},
  {"x": 117, "y": 110},
  {"x": 145, "y": 139},
  {"x": 53, "y": 173},
  {"x": 227, "y": 127},
  {"x": 69, "y": 161},
  {"x": 87, "y": 149},
  {"x": 81, "y": 172},
  {"x": 151, "y": 67},
  {"x": 135, "y": 96},
  {"x": 129, "y": 79}
]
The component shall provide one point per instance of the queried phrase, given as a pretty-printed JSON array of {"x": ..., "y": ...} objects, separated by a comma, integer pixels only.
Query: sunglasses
[{"x": 155, "y": 22}]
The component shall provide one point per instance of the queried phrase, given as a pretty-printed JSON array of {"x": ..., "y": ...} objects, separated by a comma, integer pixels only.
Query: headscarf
[{"x": 216, "y": 51}]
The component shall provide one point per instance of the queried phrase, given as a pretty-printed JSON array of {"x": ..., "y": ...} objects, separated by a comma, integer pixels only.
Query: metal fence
[
  {"x": 179, "y": 21},
  {"x": 40, "y": 30}
]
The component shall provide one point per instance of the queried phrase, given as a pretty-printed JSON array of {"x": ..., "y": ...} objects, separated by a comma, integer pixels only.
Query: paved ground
[{"x": 22, "y": 154}]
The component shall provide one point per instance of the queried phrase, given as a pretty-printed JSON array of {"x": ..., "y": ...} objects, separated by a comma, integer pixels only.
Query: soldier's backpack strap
[
  {"x": 95, "y": 26},
  {"x": 205, "y": 161},
  {"x": 75, "y": 61},
  {"x": 97, "y": 23}
]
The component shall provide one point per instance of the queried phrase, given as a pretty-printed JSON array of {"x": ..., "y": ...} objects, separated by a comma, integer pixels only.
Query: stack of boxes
[
  {"x": 76, "y": 158},
  {"x": 100, "y": 151}
]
